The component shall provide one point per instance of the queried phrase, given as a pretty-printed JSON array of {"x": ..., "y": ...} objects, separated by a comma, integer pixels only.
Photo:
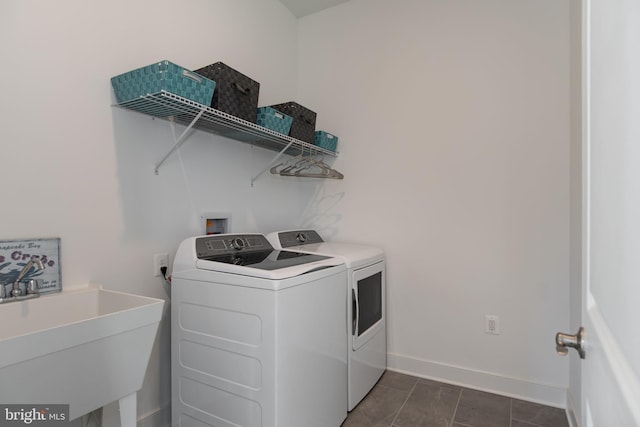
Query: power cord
[
  {"x": 166, "y": 281},
  {"x": 163, "y": 270}
]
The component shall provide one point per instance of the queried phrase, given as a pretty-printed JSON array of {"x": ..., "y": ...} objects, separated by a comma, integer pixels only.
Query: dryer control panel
[{"x": 298, "y": 237}]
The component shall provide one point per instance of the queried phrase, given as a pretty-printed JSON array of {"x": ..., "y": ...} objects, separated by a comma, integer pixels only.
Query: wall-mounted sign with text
[{"x": 15, "y": 255}]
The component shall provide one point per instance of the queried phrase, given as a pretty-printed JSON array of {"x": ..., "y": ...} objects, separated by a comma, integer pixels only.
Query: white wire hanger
[{"x": 306, "y": 166}]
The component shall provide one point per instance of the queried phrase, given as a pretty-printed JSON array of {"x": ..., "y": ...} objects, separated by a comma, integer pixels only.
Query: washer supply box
[
  {"x": 326, "y": 140},
  {"x": 273, "y": 119},
  {"x": 236, "y": 93},
  {"x": 304, "y": 120},
  {"x": 163, "y": 75}
]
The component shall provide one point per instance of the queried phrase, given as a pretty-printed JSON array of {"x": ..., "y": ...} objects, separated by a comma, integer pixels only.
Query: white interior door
[{"x": 611, "y": 306}]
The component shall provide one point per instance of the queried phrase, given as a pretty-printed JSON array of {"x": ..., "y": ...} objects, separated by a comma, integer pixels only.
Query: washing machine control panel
[
  {"x": 223, "y": 244},
  {"x": 250, "y": 250},
  {"x": 299, "y": 237}
]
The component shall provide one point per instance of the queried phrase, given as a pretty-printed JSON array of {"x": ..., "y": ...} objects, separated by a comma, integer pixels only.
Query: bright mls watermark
[{"x": 34, "y": 415}]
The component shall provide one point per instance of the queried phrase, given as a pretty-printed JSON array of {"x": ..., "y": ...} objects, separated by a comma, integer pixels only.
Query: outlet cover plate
[{"x": 492, "y": 324}]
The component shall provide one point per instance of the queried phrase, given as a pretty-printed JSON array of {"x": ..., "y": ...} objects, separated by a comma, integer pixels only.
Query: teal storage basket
[
  {"x": 273, "y": 119},
  {"x": 325, "y": 140},
  {"x": 163, "y": 75}
]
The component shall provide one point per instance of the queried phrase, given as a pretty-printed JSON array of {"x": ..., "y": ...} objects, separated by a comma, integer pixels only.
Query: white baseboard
[{"x": 546, "y": 394}]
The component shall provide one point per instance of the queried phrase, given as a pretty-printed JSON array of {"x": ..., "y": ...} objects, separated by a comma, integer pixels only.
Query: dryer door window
[{"x": 367, "y": 300}]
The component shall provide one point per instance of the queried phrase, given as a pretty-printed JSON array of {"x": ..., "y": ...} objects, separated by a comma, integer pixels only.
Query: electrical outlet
[
  {"x": 160, "y": 260},
  {"x": 491, "y": 324}
]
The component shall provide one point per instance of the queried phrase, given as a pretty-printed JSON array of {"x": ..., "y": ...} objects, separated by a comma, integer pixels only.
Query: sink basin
[{"x": 86, "y": 348}]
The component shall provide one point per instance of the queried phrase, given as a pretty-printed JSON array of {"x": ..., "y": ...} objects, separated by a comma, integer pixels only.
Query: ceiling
[{"x": 302, "y": 8}]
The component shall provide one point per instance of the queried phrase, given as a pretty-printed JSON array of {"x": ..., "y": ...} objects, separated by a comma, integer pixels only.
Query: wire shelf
[{"x": 168, "y": 106}]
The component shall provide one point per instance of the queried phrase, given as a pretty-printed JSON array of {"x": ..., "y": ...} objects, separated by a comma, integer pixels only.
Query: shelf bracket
[
  {"x": 179, "y": 140},
  {"x": 275, "y": 159}
]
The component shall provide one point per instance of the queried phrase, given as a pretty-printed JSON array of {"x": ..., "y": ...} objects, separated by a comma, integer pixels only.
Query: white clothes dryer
[
  {"x": 366, "y": 304},
  {"x": 258, "y": 335}
]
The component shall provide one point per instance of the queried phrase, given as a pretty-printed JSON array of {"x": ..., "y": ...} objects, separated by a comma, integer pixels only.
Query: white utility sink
[{"x": 86, "y": 348}]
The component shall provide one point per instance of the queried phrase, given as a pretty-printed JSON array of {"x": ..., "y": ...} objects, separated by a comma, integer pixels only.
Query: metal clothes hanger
[
  {"x": 306, "y": 167},
  {"x": 287, "y": 163}
]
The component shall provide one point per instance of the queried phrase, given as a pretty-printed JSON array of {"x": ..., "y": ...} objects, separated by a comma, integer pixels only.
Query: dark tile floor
[{"x": 401, "y": 400}]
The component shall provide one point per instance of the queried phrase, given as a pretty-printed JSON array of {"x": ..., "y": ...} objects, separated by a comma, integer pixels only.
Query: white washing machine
[
  {"x": 366, "y": 304},
  {"x": 258, "y": 335}
]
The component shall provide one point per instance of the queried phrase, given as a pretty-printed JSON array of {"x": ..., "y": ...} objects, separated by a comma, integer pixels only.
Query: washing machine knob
[
  {"x": 237, "y": 244},
  {"x": 301, "y": 237}
]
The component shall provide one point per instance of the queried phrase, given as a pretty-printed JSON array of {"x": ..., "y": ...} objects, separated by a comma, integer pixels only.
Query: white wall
[
  {"x": 73, "y": 166},
  {"x": 454, "y": 126}
]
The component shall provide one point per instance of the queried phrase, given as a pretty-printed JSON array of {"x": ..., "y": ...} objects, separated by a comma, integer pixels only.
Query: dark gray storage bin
[
  {"x": 235, "y": 93},
  {"x": 304, "y": 120}
]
